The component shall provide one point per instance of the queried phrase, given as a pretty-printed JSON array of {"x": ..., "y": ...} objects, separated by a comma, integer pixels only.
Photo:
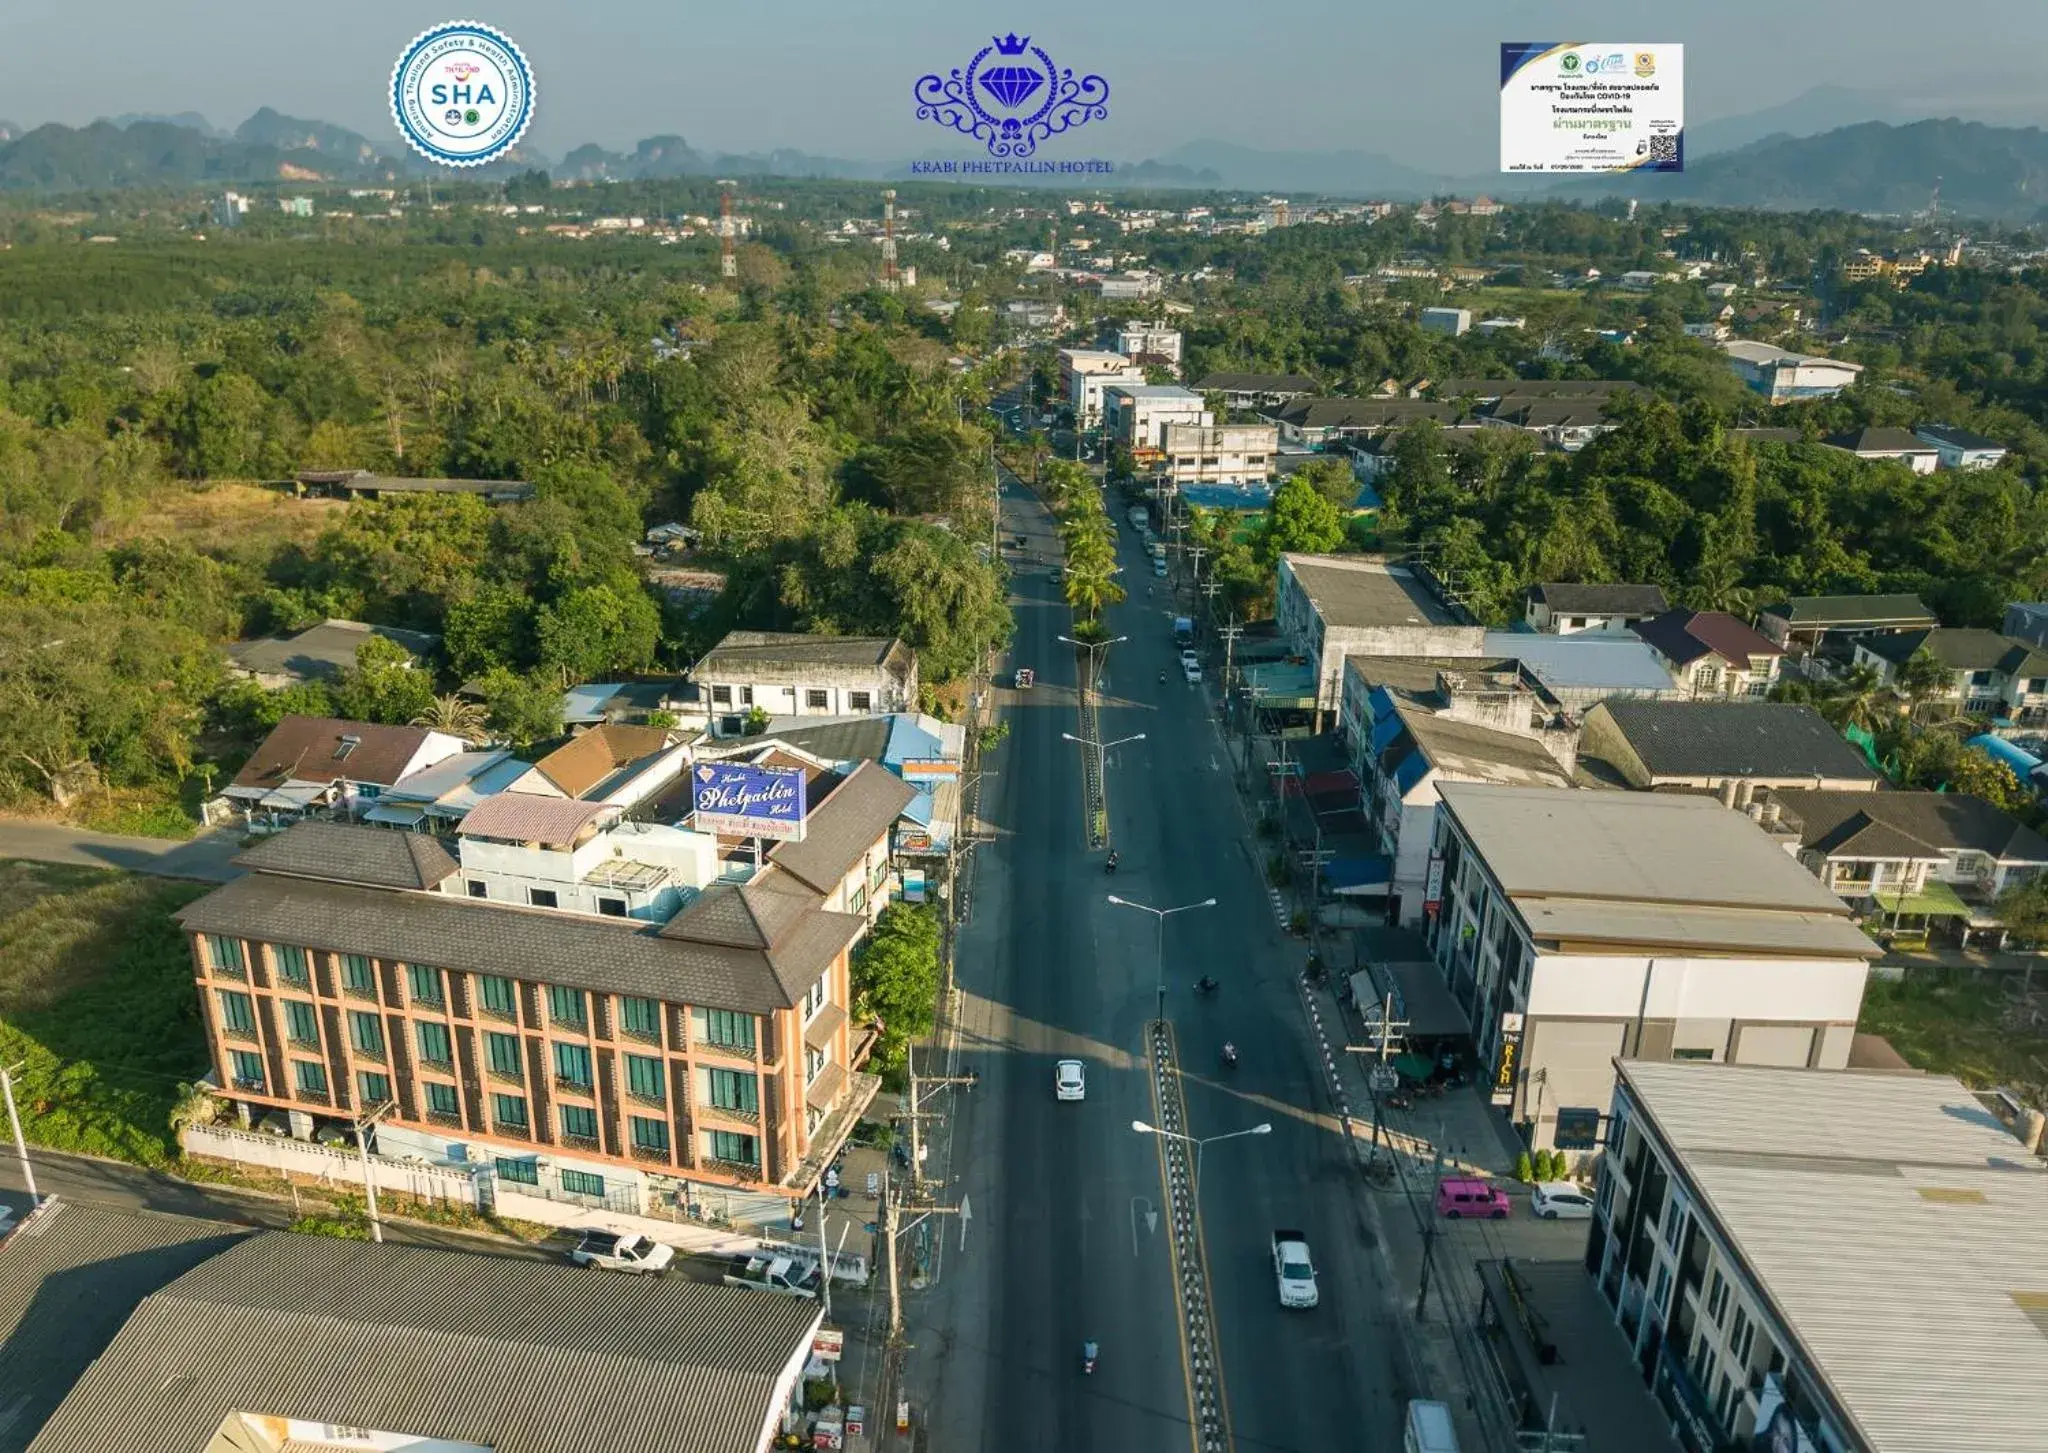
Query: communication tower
[
  {"x": 889, "y": 281},
  {"x": 728, "y": 264}
]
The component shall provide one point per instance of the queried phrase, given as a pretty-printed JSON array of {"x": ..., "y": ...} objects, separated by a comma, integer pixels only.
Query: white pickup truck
[
  {"x": 1292, "y": 1269},
  {"x": 616, "y": 1252},
  {"x": 787, "y": 1276}
]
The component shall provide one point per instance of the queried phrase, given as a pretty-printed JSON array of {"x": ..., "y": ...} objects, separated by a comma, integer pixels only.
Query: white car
[
  {"x": 1294, "y": 1273},
  {"x": 623, "y": 1251},
  {"x": 1192, "y": 671},
  {"x": 1560, "y": 1201},
  {"x": 1070, "y": 1080}
]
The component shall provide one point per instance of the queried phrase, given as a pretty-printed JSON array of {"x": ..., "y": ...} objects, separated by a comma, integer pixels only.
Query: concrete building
[
  {"x": 1899, "y": 446},
  {"x": 619, "y": 765},
  {"x": 1137, "y": 415},
  {"x": 1332, "y": 606},
  {"x": 318, "y": 653},
  {"x": 790, "y": 674},
  {"x": 613, "y": 1058},
  {"x": 1712, "y": 653},
  {"x": 1781, "y": 375},
  {"x": 1566, "y": 610},
  {"x": 1829, "y": 625},
  {"x": 1810, "y": 1261},
  {"x": 1959, "y": 448},
  {"x": 1575, "y": 927},
  {"x": 1989, "y": 674},
  {"x": 1453, "y": 321},
  {"x": 1140, "y": 342},
  {"x": 1257, "y": 390},
  {"x": 1085, "y": 373},
  {"x": 1319, "y": 423},
  {"x": 321, "y": 764},
  {"x": 1705, "y": 745},
  {"x": 1219, "y": 453},
  {"x": 1585, "y": 668}
]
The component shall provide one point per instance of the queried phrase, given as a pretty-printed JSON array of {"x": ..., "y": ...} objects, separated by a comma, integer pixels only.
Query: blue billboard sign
[{"x": 742, "y": 800}]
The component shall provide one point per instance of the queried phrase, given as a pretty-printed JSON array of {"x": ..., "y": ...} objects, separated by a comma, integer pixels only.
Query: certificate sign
[{"x": 1574, "y": 106}]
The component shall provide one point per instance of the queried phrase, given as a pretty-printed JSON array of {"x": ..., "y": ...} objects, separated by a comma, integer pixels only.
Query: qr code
[{"x": 1663, "y": 148}]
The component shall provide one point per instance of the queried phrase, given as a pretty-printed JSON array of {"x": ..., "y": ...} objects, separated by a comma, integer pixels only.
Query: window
[
  {"x": 1724, "y": 1399},
  {"x": 582, "y": 1183},
  {"x": 1574, "y": 623},
  {"x": 814, "y": 1061},
  {"x": 291, "y": 962},
  {"x": 441, "y": 1101},
  {"x": 572, "y": 1065},
  {"x": 366, "y": 1033},
  {"x": 509, "y": 1111},
  {"x": 541, "y": 897},
  {"x": 247, "y": 1069},
  {"x": 478, "y": 888},
  {"x": 735, "y": 1090},
  {"x": 860, "y": 701},
  {"x": 237, "y": 1016},
  {"x": 728, "y": 1029},
  {"x": 735, "y": 1149},
  {"x": 746, "y": 696},
  {"x": 497, "y": 996},
  {"x": 641, "y": 1017},
  {"x": 433, "y": 1042},
  {"x": 816, "y": 700},
  {"x": 425, "y": 984},
  {"x": 504, "y": 1053},
  {"x": 1717, "y": 1298},
  {"x": 579, "y": 1122},
  {"x": 814, "y": 999},
  {"x": 1980, "y": 678},
  {"x": 650, "y": 1134},
  {"x": 312, "y": 1077},
  {"x": 565, "y": 1006},
  {"x": 519, "y": 1172},
  {"x": 1662, "y": 1289},
  {"x": 301, "y": 1024},
  {"x": 612, "y": 907},
  {"x": 1702, "y": 1054},
  {"x": 375, "y": 1087},
  {"x": 643, "y": 1078},
  {"x": 226, "y": 954},
  {"x": 356, "y": 976},
  {"x": 721, "y": 695},
  {"x": 857, "y": 900},
  {"x": 1742, "y": 1338}
]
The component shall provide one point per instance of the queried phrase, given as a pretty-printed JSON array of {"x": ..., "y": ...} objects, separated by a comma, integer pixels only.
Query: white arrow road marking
[{"x": 1151, "y": 1216}]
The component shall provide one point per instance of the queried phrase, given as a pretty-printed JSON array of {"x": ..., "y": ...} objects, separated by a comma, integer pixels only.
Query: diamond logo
[
  {"x": 1011, "y": 85},
  {"x": 1035, "y": 99}
]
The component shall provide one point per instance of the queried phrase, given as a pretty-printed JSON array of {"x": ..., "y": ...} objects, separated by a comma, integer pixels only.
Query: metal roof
[
  {"x": 1355, "y": 590},
  {"x": 1582, "y": 662},
  {"x": 771, "y": 655},
  {"x": 322, "y": 652},
  {"x": 1736, "y": 739},
  {"x": 1852, "y": 610},
  {"x": 518, "y": 1356},
  {"x": 1898, "y": 1231},
  {"x": 1573, "y": 599},
  {"x": 527, "y": 817}
]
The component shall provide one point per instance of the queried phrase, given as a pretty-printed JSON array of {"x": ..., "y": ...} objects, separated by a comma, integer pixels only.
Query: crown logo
[{"x": 1009, "y": 44}]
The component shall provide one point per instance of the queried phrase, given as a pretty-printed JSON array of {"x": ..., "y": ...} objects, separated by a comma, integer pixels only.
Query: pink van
[{"x": 1461, "y": 1196}]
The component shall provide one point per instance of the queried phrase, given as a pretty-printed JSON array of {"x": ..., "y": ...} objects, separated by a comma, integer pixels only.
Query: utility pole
[
  {"x": 1230, "y": 633},
  {"x": 365, "y": 1123},
  {"x": 922, "y": 1087},
  {"x": 1436, "y": 1171},
  {"x": 1376, "y": 1078},
  {"x": 28, "y": 1173}
]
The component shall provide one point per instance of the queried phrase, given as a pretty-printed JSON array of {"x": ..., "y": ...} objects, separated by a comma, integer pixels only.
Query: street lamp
[
  {"x": 1091, "y": 647},
  {"x": 1198, "y": 1141},
  {"x": 1102, "y": 748},
  {"x": 1160, "y": 915}
]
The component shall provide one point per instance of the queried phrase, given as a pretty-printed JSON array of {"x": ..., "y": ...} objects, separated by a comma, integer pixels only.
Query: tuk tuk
[{"x": 1024, "y": 678}]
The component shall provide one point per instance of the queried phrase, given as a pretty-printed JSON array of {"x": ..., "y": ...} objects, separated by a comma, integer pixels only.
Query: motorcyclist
[
  {"x": 1089, "y": 1353},
  {"x": 1205, "y": 985},
  {"x": 1162, "y": 676},
  {"x": 1109, "y": 864},
  {"x": 1229, "y": 1053}
]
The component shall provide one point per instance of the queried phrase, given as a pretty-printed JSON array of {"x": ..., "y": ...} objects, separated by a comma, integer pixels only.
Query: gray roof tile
[
  {"x": 1865, "y": 824},
  {"x": 1735, "y": 739},
  {"x": 374, "y": 856},
  {"x": 845, "y": 826},
  {"x": 1570, "y": 599}
]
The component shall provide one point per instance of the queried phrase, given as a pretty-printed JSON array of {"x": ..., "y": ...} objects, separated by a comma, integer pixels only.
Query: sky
[{"x": 1413, "y": 81}]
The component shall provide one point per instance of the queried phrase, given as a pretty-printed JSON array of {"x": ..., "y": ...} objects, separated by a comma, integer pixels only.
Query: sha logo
[
  {"x": 1010, "y": 97},
  {"x": 462, "y": 94}
]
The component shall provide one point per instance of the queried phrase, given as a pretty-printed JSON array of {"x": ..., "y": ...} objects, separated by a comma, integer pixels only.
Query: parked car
[
  {"x": 785, "y": 1276},
  {"x": 616, "y": 1251},
  {"x": 1191, "y": 671},
  {"x": 1460, "y": 1196},
  {"x": 1560, "y": 1201},
  {"x": 1070, "y": 1080}
]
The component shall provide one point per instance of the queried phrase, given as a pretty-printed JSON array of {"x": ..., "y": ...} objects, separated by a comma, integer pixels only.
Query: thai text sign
[{"x": 742, "y": 800}]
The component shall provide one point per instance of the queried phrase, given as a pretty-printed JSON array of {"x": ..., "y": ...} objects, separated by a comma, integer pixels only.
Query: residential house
[
  {"x": 1989, "y": 674},
  {"x": 1576, "y": 928},
  {"x": 1137, "y": 415},
  {"x": 1319, "y": 423},
  {"x": 322, "y": 763},
  {"x": 619, "y": 701},
  {"x": 1453, "y": 321},
  {"x": 790, "y": 674},
  {"x": 2025, "y": 621},
  {"x": 1959, "y": 448},
  {"x": 602, "y": 1056},
  {"x": 622, "y": 766},
  {"x": 436, "y": 798},
  {"x": 1713, "y": 653},
  {"x": 362, "y": 484},
  {"x": 1709, "y": 745},
  {"x": 318, "y": 653},
  {"x": 1912, "y": 863},
  {"x": 1782, "y": 375},
  {"x": 1561, "y": 423},
  {"x": 1219, "y": 454},
  {"x": 1085, "y": 373},
  {"x": 1257, "y": 390},
  {"x": 1559, "y": 609},
  {"x": 1776, "y": 1243},
  {"x": 1031, "y": 315},
  {"x": 1329, "y": 607},
  {"x": 1830, "y": 625},
  {"x": 1490, "y": 326},
  {"x": 1893, "y": 444},
  {"x": 1129, "y": 286},
  {"x": 1145, "y": 342}
]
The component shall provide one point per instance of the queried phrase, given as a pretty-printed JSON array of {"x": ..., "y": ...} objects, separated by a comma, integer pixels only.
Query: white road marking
[{"x": 1151, "y": 1215}]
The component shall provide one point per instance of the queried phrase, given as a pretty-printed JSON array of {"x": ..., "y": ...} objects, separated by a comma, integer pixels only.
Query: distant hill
[
  {"x": 158, "y": 154},
  {"x": 288, "y": 133},
  {"x": 190, "y": 120},
  {"x": 1355, "y": 172},
  {"x": 1830, "y": 108},
  {"x": 1986, "y": 171}
]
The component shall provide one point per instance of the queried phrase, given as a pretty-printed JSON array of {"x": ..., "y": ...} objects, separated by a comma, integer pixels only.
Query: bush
[
  {"x": 1524, "y": 1171},
  {"x": 820, "y": 1392}
]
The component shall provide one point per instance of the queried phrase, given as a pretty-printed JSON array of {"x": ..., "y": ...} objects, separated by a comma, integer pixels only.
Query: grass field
[
  {"x": 249, "y": 515},
  {"x": 96, "y": 999},
  {"x": 1970, "y": 1028}
]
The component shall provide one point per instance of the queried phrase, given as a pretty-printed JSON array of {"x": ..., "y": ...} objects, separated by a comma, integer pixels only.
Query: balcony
[
  {"x": 655, "y": 1154},
  {"x": 652, "y": 1102},
  {"x": 573, "y": 1085},
  {"x": 443, "y": 1066},
  {"x": 505, "y": 1077},
  {"x": 578, "y": 1142},
  {"x": 249, "y": 1087},
  {"x": 313, "y": 1097},
  {"x": 739, "y": 1169},
  {"x": 744, "y": 1052},
  {"x": 515, "y": 1132},
  {"x": 450, "y": 1118}
]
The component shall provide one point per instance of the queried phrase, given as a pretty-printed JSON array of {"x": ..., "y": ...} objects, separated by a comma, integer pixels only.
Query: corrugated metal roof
[
  {"x": 1909, "y": 1304},
  {"x": 519, "y": 1356},
  {"x": 527, "y": 817}
]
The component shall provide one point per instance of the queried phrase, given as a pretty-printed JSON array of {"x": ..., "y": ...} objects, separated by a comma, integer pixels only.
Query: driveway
[{"x": 203, "y": 858}]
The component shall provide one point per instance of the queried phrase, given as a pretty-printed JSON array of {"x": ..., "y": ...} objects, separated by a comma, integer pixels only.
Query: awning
[
  {"x": 1415, "y": 1067},
  {"x": 397, "y": 814},
  {"x": 293, "y": 796},
  {"x": 824, "y": 1024},
  {"x": 825, "y": 1089},
  {"x": 1934, "y": 900},
  {"x": 1366, "y": 877}
]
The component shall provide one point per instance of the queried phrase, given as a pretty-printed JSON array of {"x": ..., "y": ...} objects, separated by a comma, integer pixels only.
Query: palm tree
[
  {"x": 1921, "y": 677},
  {"x": 196, "y": 1105},
  {"x": 455, "y": 716},
  {"x": 1861, "y": 698}
]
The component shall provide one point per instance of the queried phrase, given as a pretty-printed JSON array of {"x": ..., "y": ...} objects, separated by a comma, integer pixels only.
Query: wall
[
  {"x": 1811, "y": 991},
  {"x": 341, "y": 1168}
]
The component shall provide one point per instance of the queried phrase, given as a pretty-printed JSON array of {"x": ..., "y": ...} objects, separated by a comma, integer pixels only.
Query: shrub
[{"x": 1524, "y": 1171}]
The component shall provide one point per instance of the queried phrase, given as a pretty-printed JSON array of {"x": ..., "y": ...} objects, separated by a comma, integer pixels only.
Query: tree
[
  {"x": 896, "y": 977},
  {"x": 1980, "y": 774},
  {"x": 2023, "y": 908},
  {"x": 491, "y": 627},
  {"x": 522, "y": 710},
  {"x": 384, "y": 685},
  {"x": 1301, "y": 519},
  {"x": 1921, "y": 677},
  {"x": 1331, "y": 478},
  {"x": 599, "y": 630},
  {"x": 1860, "y": 698},
  {"x": 455, "y": 716}
]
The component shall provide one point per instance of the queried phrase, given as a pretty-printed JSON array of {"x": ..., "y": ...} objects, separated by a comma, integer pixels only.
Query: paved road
[
  {"x": 204, "y": 857},
  {"x": 1060, "y": 1248}
]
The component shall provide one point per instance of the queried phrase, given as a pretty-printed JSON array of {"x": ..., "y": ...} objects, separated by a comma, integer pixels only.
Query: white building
[
  {"x": 790, "y": 674},
  {"x": 1575, "y": 927},
  {"x": 1781, "y": 375},
  {"x": 1220, "y": 453},
  {"x": 1129, "y": 287},
  {"x": 557, "y": 852},
  {"x": 1085, "y": 373},
  {"x": 1333, "y": 606},
  {"x": 1817, "y": 1262},
  {"x": 1961, "y": 449},
  {"x": 1157, "y": 340},
  {"x": 1138, "y": 415},
  {"x": 1567, "y": 610},
  {"x": 1453, "y": 321},
  {"x": 1491, "y": 326}
]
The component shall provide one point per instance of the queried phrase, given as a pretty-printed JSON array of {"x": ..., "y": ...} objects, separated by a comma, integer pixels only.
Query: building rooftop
[
  {"x": 326, "y": 749},
  {"x": 1601, "y": 600},
  {"x": 1582, "y": 662},
  {"x": 322, "y": 652},
  {"x": 1155, "y": 391},
  {"x": 431, "y": 784},
  {"x": 345, "y": 852},
  {"x": 1749, "y": 351},
  {"x": 1684, "y": 636},
  {"x": 1920, "y": 1295},
  {"x": 513, "y": 1355},
  {"x": 761, "y": 655},
  {"x": 1852, "y": 610},
  {"x": 1962, "y": 648},
  {"x": 1469, "y": 752},
  {"x": 1362, "y": 413},
  {"x": 1844, "y": 824},
  {"x": 842, "y": 828},
  {"x": 1736, "y": 739},
  {"x": 528, "y": 817},
  {"x": 1355, "y": 590},
  {"x": 1880, "y": 441},
  {"x": 1955, "y": 438},
  {"x": 1257, "y": 383},
  {"x": 587, "y": 760},
  {"x": 363, "y": 479}
]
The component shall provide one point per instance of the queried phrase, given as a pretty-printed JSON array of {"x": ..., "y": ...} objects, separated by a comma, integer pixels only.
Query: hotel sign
[
  {"x": 741, "y": 800},
  {"x": 1507, "y": 1062}
]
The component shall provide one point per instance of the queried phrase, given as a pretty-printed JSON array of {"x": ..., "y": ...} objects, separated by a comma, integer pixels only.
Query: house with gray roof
[
  {"x": 1559, "y": 609},
  {"x": 318, "y": 653},
  {"x": 1989, "y": 674},
  {"x": 1830, "y": 625},
  {"x": 1704, "y": 745},
  {"x": 787, "y": 673},
  {"x": 1960, "y": 448}
]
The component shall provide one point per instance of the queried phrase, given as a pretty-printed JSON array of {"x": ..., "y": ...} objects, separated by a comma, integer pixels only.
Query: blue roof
[
  {"x": 921, "y": 807},
  {"x": 909, "y": 742},
  {"x": 1384, "y": 730},
  {"x": 1342, "y": 873},
  {"x": 1411, "y": 771},
  {"x": 586, "y": 703},
  {"x": 1381, "y": 701},
  {"x": 2023, "y": 764},
  {"x": 1583, "y": 662},
  {"x": 1244, "y": 499}
]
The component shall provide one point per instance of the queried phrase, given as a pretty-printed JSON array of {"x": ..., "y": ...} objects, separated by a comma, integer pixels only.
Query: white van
[{"x": 1429, "y": 1429}]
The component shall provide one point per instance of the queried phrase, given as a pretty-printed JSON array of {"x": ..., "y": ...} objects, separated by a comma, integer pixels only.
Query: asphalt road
[{"x": 1061, "y": 1247}]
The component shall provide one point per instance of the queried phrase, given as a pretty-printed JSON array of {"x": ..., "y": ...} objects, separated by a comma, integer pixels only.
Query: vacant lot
[
  {"x": 96, "y": 999},
  {"x": 1977, "y": 1029},
  {"x": 245, "y": 519}
]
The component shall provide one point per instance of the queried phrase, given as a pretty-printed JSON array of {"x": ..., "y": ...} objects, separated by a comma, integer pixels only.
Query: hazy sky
[{"x": 1415, "y": 81}]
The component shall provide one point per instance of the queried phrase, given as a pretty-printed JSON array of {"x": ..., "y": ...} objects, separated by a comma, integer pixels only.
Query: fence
[{"x": 338, "y": 1167}]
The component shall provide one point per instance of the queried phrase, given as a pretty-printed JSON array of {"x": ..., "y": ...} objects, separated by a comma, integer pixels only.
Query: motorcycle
[
  {"x": 1162, "y": 678},
  {"x": 1206, "y": 985},
  {"x": 1088, "y": 1355},
  {"x": 1398, "y": 1100},
  {"x": 1109, "y": 863},
  {"x": 1229, "y": 1056}
]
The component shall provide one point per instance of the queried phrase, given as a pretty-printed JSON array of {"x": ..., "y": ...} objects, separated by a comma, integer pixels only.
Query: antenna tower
[
  {"x": 728, "y": 264},
  {"x": 889, "y": 282},
  {"x": 1934, "y": 202}
]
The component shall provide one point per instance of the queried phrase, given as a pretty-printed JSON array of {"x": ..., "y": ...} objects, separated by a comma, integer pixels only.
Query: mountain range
[{"x": 1819, "y": 150}]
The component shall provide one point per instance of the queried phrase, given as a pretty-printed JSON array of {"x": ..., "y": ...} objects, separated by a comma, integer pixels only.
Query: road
[
  {"x": 1061, "y": 1248},
  {"x": 204, "y": 857}
]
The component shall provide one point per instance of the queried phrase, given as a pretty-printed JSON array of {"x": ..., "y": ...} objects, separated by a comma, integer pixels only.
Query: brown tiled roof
[
  {"x": 844, "y": 826},
  {"x": 303, "y": 748},
  {"x": 527, "y": 817},
  {"x": 379, "y": 857},
  {"x": 584, "y": 761}
]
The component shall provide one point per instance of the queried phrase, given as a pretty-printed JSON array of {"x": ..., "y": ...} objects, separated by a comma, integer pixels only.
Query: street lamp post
[
  {"x": 1102, "y": 749},
  {"x": 1160, "y": 915},
  {"x": 1198, "y": 1141},
  {"x": 1094, "y": 660}
]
